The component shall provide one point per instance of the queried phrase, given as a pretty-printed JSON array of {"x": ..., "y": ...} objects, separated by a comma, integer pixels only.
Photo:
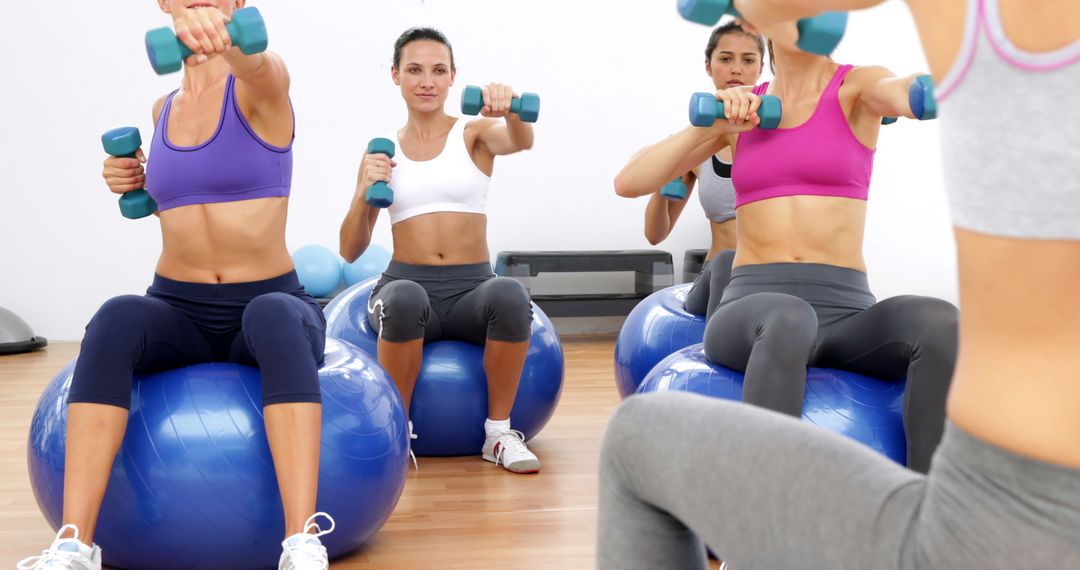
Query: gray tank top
[
  {"x": 715, "y": 190},
  {"x": 1012, "y": 176}
]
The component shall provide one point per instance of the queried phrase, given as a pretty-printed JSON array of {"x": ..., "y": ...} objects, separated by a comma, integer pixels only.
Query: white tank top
[{"x": 450, "y": 182}]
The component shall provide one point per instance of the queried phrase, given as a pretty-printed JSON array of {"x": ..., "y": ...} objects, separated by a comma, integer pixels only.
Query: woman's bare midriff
[
  {"x": 228, "y": 242},
  {"x": 442, "y": 238},
  {"x": 802, "y": 229}
]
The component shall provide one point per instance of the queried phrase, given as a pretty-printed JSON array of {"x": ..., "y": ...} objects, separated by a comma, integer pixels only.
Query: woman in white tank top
[
  {"x": 732, "y": 58},
  {"x": 439, "y": 284}
]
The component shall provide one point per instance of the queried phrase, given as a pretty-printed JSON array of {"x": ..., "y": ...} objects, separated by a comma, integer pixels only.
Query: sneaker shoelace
[
  {"x": 512, "y": 440},
  {"x": 412, "y": 455},
  {"x": 308, "y": 551},
  {"x": 53, "y": 557}
]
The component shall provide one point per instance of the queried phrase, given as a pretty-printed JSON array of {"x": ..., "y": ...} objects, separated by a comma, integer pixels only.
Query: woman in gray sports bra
[
  {"x": 1003, "y": 489},
  {"x": 733, "y": 57}
]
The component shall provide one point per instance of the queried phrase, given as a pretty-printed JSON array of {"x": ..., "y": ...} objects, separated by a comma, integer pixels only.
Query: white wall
[{"x": 614, "y": 75}]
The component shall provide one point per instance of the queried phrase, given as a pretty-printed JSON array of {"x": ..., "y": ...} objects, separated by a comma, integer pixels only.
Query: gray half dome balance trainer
[{"x": 16, "y": 336}]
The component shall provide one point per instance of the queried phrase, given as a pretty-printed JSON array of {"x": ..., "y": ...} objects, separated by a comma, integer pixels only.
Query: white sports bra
[{"x": 450, "y": 182}]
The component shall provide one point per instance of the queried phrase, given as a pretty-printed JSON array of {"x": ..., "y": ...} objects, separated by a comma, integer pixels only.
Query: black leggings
[
  {"x": 704, "y": 296},
  {"x": 273, "y": 324},
  {"x": 777, "y": 319},
  {"x": 452, "y": 302}
]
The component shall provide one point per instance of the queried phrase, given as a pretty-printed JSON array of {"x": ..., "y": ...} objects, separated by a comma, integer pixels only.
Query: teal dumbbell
[
  {"x": 705, "y": 110},
  {"x": 527, "y": 107},
  {"x": 675, "y": 190},
  {"x": 123, "y": 142},
  {"x": 820, "y": 34},
  {"x": 167, "y": 53},
  {"x": 922, "y": 100},
  {"x": 380, "y": 195}
]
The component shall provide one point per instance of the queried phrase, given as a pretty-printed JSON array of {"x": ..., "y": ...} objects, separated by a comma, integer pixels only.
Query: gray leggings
[
  {"x": 766, "y": 491},
  {"x": 776, "y": 319},
  {"x": 704, "y": 296},
  {"x": 453, "y": 302}
]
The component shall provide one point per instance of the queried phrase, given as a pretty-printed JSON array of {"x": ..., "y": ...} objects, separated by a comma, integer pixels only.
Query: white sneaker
[
  {"x": 304, "y": 550},
  {"x": 65, "y": 554},
  {"x": 508, "y": 449}
]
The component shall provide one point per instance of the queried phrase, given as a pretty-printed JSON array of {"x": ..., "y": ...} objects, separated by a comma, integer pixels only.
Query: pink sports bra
[{"x": 821, "y": 157}]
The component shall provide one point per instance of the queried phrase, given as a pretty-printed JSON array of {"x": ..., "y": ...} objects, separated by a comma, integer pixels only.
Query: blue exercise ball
[
  {"x": 371, "y": 263},
  {"x": 865, "y": 409},
  {"x": 658, "y": 326},
  {"x": 318, "y": 268},
  {"x": 194, "y": 484},
  {"x": 449, "y": 403}
]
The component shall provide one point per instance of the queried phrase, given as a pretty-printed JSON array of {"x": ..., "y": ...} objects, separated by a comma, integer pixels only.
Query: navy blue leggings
[{"x": 273, "y": 324}]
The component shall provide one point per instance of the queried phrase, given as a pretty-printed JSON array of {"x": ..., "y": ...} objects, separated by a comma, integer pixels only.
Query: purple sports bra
[{"x": 234, "y": 164}]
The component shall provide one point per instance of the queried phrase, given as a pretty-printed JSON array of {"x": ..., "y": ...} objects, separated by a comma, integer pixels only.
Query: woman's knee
[
  {"x": 400, "y": 311},
  {"x": 509, "y": 310}
]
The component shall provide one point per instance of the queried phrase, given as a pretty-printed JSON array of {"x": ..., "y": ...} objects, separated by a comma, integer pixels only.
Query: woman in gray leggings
[
  {"x": 799, "y": 295},
  {"x": 1003, "y": 492}
]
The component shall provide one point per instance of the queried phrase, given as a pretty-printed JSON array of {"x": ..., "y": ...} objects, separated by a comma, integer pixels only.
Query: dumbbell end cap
[
  {"x": 530, "y": 107},
  {"x": 252, "y": 30},
  {"x": 821, "y": 34},
  {"x": 163, "y": 49},
  {"x": 472, "y": 100},
  {"x": 121, "y": 141},
  {"x": 703, "y": 109},
  {"x": 706, "y": 12},
  {"x": 381, "y": 146},
  {"x": 137, "y": 204}
]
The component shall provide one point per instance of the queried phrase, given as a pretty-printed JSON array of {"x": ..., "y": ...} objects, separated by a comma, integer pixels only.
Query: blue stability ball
[
  {"x": 449, "y": 404},
  {"x": 194, "y": 484},
  {"x": 372, "y": 263},
  {"x": 318, "y": 268},
  {"x": 657, "y": 327},
  {"x": 865, "y": 409}
]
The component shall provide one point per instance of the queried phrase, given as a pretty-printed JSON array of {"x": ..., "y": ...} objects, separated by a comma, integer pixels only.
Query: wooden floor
[{"x": 454, "y": 513}]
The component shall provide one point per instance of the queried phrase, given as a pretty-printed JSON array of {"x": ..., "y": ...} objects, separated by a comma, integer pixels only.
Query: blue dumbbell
[
  {"x": 527, "y": 107},
  {"x": 123, "y": 142},
  {"x": 922, "y": 100},
  {"x": 167, "y": 53},
  {"x": 675, "y": 190},
  {"x": 380, "y": 195},
  {"x": 706, "y": 110},
  {"x": 820, "y": 34}
]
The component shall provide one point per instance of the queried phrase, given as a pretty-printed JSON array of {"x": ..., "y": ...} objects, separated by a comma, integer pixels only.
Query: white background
[{"x": 614, "y": 75}]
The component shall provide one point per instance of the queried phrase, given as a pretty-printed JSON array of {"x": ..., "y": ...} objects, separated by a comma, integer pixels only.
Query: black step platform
[
  {"x": 693, "y": 262},
  {"x": 652, "y": 272}
]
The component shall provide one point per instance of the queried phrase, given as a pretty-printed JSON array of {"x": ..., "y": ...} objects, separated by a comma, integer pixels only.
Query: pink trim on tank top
[{"x": 969, "y": 48}]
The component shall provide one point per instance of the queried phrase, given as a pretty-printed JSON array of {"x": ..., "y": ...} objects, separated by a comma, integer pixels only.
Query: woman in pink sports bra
[
  {"x": 220, "y": 171},
  {"x": 798, "y": 294},
  {"x": 1003, "y": 490}
]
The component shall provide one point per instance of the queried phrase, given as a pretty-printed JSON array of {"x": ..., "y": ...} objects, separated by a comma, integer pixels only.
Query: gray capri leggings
[
  {"x": 776, "y": 319},
  {"x": 453, "y": 302},
  {"x": 768, "y": 492},
  {"x": 708, "y": 289}
]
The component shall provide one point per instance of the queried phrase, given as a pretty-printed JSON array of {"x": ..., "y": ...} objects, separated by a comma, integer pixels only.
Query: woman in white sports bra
[
  {"x": 439, "y": 284},
  {"x": 1003, "y": 490},
  {"x": 733, "y": 58}
]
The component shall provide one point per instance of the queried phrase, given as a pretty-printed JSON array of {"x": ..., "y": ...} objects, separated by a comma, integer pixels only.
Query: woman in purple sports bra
[
  {"x": 220, "y": 170},
  {"x": 1003, "y": 491}
]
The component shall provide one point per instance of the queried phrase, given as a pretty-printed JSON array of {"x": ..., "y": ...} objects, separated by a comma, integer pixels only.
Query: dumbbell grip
[{"x": 185, "y": 52}]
